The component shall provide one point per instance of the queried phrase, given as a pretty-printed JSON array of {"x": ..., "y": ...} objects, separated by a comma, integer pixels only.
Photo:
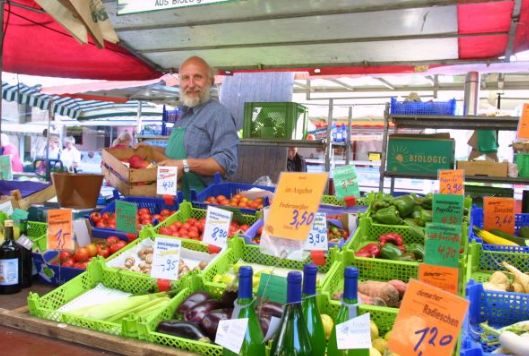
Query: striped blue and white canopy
[{"x": 76, "y": 108}]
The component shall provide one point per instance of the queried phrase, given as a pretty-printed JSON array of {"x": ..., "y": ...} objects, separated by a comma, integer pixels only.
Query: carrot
[{"x": 383, "y": 290}]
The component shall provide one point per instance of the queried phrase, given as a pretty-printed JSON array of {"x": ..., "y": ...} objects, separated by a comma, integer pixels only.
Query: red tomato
[
  {"x": 156, "y": 217},
  {"x": 178, "y": 224},
  {"x": 101, "y": 224},
  {"x": 143, "y": 211},
  {"x": 260, "y": 231},
  {"x": 95, "y": 217},
  {"x": 78, "y": 265},
  {"x": 112, "y": 225},
  {"x": 81, "y": 255},
  {"x": 186, "y": 226},
  {"x": 92, "y": 249},
  {"x": 65, "y": 255},
  {"x": 67, "y": 263},
  {"x": 117, "y": 246},
  {"x": 193, "y": 234},
  {"x": 165, "y": 230},
  {"x": 192, "y": 221},
  {"x": 183, "y": 232},
  {"x": 105, "y": 216},
  {"x": 103, "y": 251},
  {"x": 244, "y": 227},
  {"x": 111, "y": 240},
  {"x": 165, "y": 212},
  {"x": 145, "y": 221}
]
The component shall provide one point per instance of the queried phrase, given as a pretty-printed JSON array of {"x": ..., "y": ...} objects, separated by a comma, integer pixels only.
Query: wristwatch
[{"x": 186, "y": 165}]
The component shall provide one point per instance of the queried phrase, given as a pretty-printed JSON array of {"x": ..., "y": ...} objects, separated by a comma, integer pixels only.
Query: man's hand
[{"x": 174, "y": 163}]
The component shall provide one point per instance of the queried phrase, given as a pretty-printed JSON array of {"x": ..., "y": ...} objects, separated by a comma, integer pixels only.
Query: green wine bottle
[
  {"x": 348, "y": 310},
  {"x": 310, "y": 310},
  {"x": 292, "y": 338},
  {"x": 253, "y": 343}
]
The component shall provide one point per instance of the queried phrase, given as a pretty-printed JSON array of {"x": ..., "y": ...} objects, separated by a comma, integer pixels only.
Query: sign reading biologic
[{"x": 126, "y": 7}]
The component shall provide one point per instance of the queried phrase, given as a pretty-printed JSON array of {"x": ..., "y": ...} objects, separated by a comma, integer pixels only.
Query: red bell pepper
[
  {"x": 391, "y": 237},
  {"x": 372, "y": 249}
]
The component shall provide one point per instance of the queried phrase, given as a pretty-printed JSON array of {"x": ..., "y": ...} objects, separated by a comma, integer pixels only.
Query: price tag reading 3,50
[
  {"x": 498, "y": 213},
  {"x": 166, "y": 258},
  {"x": 428, "y": 322},
  {"x": 166, "y": 179},
  {"x": 317, "y": 239},
  {"x": 217, "y": 226},
  {"x": 452, "y": 181},
  {"x": 295, "y": 204}
]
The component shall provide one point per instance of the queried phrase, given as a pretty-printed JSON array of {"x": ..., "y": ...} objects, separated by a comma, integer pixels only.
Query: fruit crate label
[
  {"x": 217, "y": 226},
  {"x": 166, "y": 258}
]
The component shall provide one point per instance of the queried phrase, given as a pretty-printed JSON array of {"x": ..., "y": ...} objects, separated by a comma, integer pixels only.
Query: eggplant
[
  {"x": 228, "y": 298},
  {"x": 199, "y": 311},
  {"x": 191, "y": 301},
  {"x": 264, "y": 321},
  {"x": 210, "y": 322},
  {"x": 270, "y": 308},
  {"x": 181, "y": 328}
]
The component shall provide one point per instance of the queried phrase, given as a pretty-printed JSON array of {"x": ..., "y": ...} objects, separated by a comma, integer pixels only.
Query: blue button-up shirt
[{"x": 210, "y": 132}]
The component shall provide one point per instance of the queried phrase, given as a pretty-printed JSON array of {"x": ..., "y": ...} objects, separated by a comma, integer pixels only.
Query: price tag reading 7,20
[
  {"x": 295, "y": 204},
  {"x": 217, "y": 226}
]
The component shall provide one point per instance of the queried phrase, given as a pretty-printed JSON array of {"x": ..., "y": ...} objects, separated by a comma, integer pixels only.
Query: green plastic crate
[
  {"x": 482, "y": 263},
  {"x": 46, "y": 307},
  {"x": 275, "y": 120},
  {"x": 334, "y": 200},
  {"x": 37, "y": 232},
  {"x": 238, "y": 250}
]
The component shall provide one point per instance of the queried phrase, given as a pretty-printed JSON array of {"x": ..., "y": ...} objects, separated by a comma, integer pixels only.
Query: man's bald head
[{"x": 196, "y": 78}]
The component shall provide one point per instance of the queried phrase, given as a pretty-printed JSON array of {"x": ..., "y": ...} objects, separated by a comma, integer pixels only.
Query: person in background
[
  {"x": 204, "y": 138},
  {"x": 9, "y": 149},
  {"x": 295, "y": 162},
  {"x": 70, "y": 155},
  {"x": 124, "y": 139}
]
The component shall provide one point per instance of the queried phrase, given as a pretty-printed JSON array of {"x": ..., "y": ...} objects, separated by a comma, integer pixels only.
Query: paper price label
[
  {"x": 217, "y": 226},
  {"x": 442, "y": 244},
  {"x": 5, "y": 168},
  {"x": 317, "y": 239},
  {"x": 60, "y": 229},
  {"x": 166, "y": 258},
  {"x": 230, "y": 334},
  {"x": 354, "y": 333},
  {"x": 452, "y": 181},
  {"x": 448, "y": 209},
  {"x": 6, "y": 207},
  {"x": 295, "y": 204},
  {"x": 428, "y": 322},
  {"x": 126, "y": 216},
  {"x": 445, "y": 278},
  {"x": 346, "y": 181},
  {"x": 166, "y": 180},
  {"x": 498, "y": 214},
  {"x": 523, "y": 123}
]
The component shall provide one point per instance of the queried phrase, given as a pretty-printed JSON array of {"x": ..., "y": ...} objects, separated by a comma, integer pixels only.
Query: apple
[
  {"x": 92, "y": 249},
  {"x": 111, "y": 240}
]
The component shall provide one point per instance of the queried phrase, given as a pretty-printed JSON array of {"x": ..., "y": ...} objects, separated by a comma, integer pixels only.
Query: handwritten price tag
[
  {"x": 166, "y": 180},
  {"x": 295, "y": 204},
  {"x": 354, "y": 334},
  {"x": 523, "y": 123},
  {"x": 442, "y": 244},
  {"x": 452, "y": 181},
  {"x": 217, "y": 226},
  {"x": 446, "y": 278},
  {"x": 230, "y": 334},
  {"x": 498, "y": 214},
  {"x": 126, "y": 216},
  {"x": 5, "y": 168},
  {"x": 317, "y": 239},
  {"x": 448, "y": 209},
  {"x": 60, "y": 229},
  {"x": 346, "y": 181},
  {"x": 166, "y": 258},
  {"x": 428, "y": 322}
]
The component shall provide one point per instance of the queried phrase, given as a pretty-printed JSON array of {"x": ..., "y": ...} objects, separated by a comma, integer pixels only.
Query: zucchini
[{"x": 516, "y": 239}]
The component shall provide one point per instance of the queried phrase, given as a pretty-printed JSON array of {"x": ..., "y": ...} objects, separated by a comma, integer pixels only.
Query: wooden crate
[{"x": 128, "y": 188}]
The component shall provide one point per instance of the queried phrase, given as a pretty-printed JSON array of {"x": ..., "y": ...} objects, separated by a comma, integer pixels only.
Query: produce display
[
  {"x": 512, "y": 281},
  {"x": 237, "y": 200},
  {"x": 386, "y": 294},
  {"x": 498, "y": 237},
  {"x": 391, "y": 246},
  {"x": 194, "y": 228},
  {"x": 107, "y": 220}
]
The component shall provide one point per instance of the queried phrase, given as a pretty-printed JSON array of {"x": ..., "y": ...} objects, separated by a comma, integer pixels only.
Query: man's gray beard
[{"x": 191, "y": 102}]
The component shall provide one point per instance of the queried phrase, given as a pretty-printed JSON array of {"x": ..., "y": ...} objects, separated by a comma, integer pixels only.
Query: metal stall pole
[
  {"x": 2, "y": 3},
  {"x": 348, "y": 138},
  {"x": 382, "y": 169},
  {"x": 328, "y": 149}
]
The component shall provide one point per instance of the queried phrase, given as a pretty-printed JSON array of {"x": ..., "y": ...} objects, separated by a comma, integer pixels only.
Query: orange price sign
[
  {"x": 428, "y": 322},
  {"x": 60, "y": 231},
  {"x": 498, "y": 213},
  {"x": 295, "y": 204},
  {"x": 523, "y": 123},
  {"x": 452, "y": 181},
  {"x": 442, "y": 277}
]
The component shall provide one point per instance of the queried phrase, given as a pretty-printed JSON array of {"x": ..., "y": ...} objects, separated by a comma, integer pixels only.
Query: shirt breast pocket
[{"x": 198, "y": 142}]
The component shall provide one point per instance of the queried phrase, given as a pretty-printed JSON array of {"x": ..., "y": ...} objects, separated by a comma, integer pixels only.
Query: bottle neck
[
  {"x": 293, "y": 293},
  {"x": 9, "y": 233},
  {"x": 245, "y": 288},
  {"x": 350, "y": 291},
  {"x": 309, "y": 284}
]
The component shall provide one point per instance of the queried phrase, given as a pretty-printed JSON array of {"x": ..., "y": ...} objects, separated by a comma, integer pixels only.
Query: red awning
[{"x": 36, "y": 44}]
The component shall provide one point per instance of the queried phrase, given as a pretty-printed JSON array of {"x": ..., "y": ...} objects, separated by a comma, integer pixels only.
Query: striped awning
[{"x": 75, "y": 108}]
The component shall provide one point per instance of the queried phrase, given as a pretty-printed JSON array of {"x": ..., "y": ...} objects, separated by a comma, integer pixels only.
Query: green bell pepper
[
  {"x": 404, "y": 204},
  {"x": 379, "y": 204},
  {"x": 428, "y": 201},
  {"x": 387, "y": 216},
  {"x": 416, "y": 249},
  {"x": 407, "y": 257},
  {"x": 390, "y": 252}
]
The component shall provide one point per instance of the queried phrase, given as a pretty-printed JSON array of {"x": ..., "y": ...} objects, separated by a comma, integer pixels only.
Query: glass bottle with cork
[{"x": 10, "y": 262}]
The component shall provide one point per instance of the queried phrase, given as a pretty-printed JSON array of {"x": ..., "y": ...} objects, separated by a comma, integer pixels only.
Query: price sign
[
  {"x": 354, "y": 334},
  {"x": 217, "y": 226},
  {"x": 428, "y": 322},
  {"x": 445, "y": 278},
  {"x": 448, "y": 209},
  {"x": 317, "y": 239},
  {"x": 273, "y": 288},
  {"x": 295, "y": 204},
  {"x": 166, "y": 180},
  {"x": 523, "y": 123},
  {"x": 166, "y": 258},
  {"x": 498, "y": 214},
  {"x": 346, "y": 182},
  {"x": 60, "y": 231},
  {"x": 126, "y": 216},
  {"x": 442, "y": 244},
  {"x": 230, "y": 334},
  {"x": 5, "y": 168},
  {"x": 452, "y": 181}
]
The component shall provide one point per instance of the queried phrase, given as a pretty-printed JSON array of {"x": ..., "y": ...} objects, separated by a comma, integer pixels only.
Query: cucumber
[{"x": 516, "y": 239}]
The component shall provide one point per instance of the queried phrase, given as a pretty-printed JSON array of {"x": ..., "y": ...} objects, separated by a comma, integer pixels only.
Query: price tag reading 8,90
[{"x": 217, "y": 226}]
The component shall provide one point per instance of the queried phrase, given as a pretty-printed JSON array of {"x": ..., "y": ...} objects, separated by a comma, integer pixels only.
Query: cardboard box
[
  {"x": 484, "y": 168},
  {"x": 77, "y": 190},
  {"x": 421, "y": 154},
  {"x": 129, "y": 181}
]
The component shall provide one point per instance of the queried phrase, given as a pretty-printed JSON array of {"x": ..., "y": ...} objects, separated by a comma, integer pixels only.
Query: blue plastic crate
[
  {"x": 423, "y": 108},
  {"x": 476, "y": 219},
  {"x": 499, "y": 309},
  {"x": 155, "y": 205},
  {"x": 53, "y": 274}
]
